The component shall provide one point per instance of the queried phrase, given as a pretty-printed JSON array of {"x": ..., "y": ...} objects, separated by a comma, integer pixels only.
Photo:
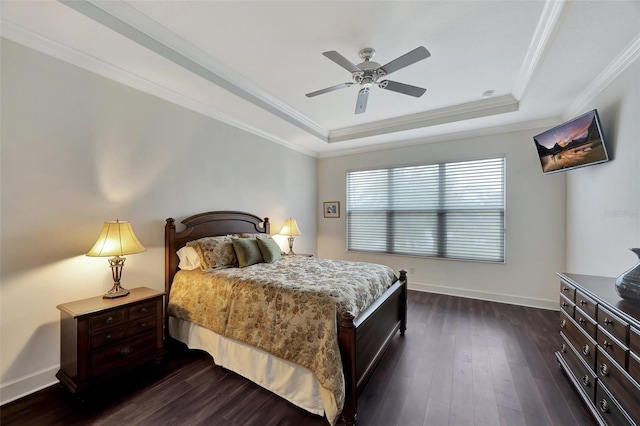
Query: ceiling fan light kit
[{"x": 368, "y": 73}]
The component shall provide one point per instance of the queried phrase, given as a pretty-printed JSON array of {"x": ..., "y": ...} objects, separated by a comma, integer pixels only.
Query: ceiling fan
[{"x": 368, "y": 73}]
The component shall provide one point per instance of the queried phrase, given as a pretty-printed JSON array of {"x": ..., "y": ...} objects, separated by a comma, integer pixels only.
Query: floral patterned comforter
[{"x": 288, "y": 308}]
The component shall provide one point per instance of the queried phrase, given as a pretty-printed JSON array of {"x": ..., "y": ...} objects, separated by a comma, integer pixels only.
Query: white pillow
[{"x": 189, "y": 258}]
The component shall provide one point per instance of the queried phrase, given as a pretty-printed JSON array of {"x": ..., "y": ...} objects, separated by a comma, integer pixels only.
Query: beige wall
[
  {"x": 535, "y": 214},
  {"x": 77, "y": 150},
  {"x": 603, "y": 201}
]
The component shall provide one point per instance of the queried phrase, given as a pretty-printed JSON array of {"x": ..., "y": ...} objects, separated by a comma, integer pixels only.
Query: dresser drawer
[
  {"x": 122, "y": 354},
  {"x": 586, "y": 304},
  {"x": 634, "y": 340},
  {"x": 634, "y": 366},
  {"x": 140, "y": 325},
  {"x": 107, "y": 319},
  {"x": 615, "y": 326},
  {"x": 613, "y": 347},
  {"x": 584, "y": 344},
  {"x": 567, "y": 305},
  {"x": 142, "y": 310},
  {"x": 619, "y": 384},
  {"x": 568, "y": 291},
  {"x": 609, "y": 409},
  {"x": 586, "y": 322},
  {"x": 108, "y": 336},
  {"x": 581, "y": 373}
]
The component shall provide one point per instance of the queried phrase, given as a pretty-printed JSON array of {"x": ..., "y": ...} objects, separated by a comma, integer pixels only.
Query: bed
[{"x": 361, "y": 339}]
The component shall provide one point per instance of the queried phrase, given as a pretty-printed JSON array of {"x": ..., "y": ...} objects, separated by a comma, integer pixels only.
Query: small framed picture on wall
[{"x": 331, "y": 209}]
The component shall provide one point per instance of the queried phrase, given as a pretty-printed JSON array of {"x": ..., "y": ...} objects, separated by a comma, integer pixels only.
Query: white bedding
[{"x": 296, "y": 384}]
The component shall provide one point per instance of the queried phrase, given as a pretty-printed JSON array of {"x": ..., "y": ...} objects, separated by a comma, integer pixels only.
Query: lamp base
[{"x": 116, "y": 291}]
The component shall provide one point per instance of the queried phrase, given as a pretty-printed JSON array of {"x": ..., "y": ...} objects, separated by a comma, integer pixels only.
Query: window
[{"x": 449, "y": 210}]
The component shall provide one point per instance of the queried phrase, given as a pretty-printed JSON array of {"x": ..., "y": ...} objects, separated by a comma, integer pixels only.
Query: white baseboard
[
  {"x": 491, "y": 297},
  {"x": 23, "y": 386}
]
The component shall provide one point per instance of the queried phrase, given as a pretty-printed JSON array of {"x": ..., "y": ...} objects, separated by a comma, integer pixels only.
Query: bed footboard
[{"x": 363, "y": 340}]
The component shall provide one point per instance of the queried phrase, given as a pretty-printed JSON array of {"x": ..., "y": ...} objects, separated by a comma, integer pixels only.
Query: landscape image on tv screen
[{"x": 576, "y": 143}]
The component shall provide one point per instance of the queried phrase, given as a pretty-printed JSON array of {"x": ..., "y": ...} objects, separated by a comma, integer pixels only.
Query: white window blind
[{"x": 449, "y": 210}]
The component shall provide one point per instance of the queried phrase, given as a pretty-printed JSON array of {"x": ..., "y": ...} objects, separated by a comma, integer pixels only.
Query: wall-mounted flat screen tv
[{"x": 576, "y": 143}]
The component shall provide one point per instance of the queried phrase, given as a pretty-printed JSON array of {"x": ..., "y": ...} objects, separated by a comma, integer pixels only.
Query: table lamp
[
  {"x": 291, "y": 229},
  {"x": 116, "y": 239}
]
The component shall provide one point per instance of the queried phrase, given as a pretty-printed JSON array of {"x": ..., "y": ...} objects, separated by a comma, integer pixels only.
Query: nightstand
[{"x": 101, "y": 338}]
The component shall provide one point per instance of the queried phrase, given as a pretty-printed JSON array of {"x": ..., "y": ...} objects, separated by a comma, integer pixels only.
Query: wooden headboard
[{"x": 209, "y": 224}]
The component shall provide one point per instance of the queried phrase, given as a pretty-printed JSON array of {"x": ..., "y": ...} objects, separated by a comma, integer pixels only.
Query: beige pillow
[
  {"x": 270, "y": 249},
  {"x": 215, "y": 252}
]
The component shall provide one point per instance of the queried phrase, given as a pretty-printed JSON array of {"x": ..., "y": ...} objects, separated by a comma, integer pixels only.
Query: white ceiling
[{"x": 250, "y": 63}]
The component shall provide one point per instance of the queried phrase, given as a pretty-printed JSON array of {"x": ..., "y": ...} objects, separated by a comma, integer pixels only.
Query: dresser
[
  {"x": 103, "y": 338},
  {"x": 600, "y": 347}
]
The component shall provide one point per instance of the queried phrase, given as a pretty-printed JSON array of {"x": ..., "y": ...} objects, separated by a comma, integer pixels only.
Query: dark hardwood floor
[{"x": 462, "y": 362}]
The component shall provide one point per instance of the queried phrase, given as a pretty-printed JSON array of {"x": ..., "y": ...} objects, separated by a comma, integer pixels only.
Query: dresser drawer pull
[
  {"x": 581, "y": 321},
  {"x": 563, "y": 348},
  {"x": 585, "y": 380},
  {"x": 607, "y": 321},
  {"x": 109, "y": 320},
  {"x": 107, "y": 337},
  {"x": 565, "y": 289},
  {"x": 606, "y": 344},
  {"x": 604, "y": 370},
  {"x": 126, "y": 351},
  {"x": 603, "y": 405},
  {"x": 564, "y": 304},
  {"x": 563, "y": 324},
  {"x": 143, "y": 310},
  {"x": 586, "y": 350},
  {"x": 144, "y": 324},
  {"x": 582, "y": 302}
]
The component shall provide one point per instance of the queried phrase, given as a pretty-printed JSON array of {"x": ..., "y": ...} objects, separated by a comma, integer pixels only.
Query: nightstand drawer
[
  {"x": 108, "y": 319},
  {"x": 141, "y": 325},
  {"x": 124, "y": 353},
  {"x": 142, "y": 310},
  {"x": 109, "y": 336}
]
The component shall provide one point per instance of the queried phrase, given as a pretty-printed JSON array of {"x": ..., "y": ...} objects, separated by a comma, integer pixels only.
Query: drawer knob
[
  {"x": 582, "y": 302},
  {"x": 107, "y": 337},
  {"x": 606, "y": 344},
  {"x": 585, "y": 380},
  {"x": 564, "y": 304},
  {"x": 144, "y": 324},
  {"x": 143, "y": 310},
  {"x": 603, "y": 405},
  {"x": 565, "y": 289},
  {"x": 604, "y": 370},
  {"x": 581, "y": 321},
  {"x": 563, "y": 324},
  {"x": 586, "y": 350},
  {"x": 126, "y": 351},
  {"x": 563, "y": 348},
  {"x": 109, "y": 320},
  {"x": 607, "y": 321}
]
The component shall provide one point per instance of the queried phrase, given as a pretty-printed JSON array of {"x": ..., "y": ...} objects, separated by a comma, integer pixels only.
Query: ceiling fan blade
[
  {"x": 329, "y": 89},
  {"x": 405, "y": 89},
  {"x": 361, "y": 104},
  {"x": 342, "y": 61},
  {"x": 417, "y": 54}
]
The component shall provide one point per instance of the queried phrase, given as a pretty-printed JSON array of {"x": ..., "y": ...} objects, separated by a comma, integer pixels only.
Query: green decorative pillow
[
  {"x": 247, "y": 251},
  {"x": 270, "y": 249}
]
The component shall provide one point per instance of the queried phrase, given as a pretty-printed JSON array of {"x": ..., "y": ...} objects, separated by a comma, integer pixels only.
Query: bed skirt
[{"x": 296, "y": 384}]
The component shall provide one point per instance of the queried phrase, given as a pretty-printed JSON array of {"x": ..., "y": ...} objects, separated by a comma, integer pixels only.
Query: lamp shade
[
  {"x": 290, "y": 228},
  {"x": 116, "y": 239}
]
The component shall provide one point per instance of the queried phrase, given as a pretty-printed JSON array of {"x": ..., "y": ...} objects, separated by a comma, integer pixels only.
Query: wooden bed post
[
  {"x": 347, "y": 338},
  {"x": 170, "y": 265},
  {"x": 402, "y": 309}
]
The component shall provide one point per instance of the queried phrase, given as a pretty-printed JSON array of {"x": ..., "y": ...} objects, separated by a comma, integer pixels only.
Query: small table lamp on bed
[
  {"x": 116, "y": 239},
  {"x": 291, "y": 229}
]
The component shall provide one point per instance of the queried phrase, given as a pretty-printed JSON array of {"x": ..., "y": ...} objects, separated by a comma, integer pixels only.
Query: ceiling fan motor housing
[{"x": 371, "y": 71}]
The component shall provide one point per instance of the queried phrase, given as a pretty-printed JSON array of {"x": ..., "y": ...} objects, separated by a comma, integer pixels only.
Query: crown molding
[
  {"x": 25, "y": 37},
  {"x": 627, "y": 57},
  {"x": 466, "y": 111},
  {"x": 130, "y": 23},
  {"x": 542, "y": 36},
  {"x": 446, "y": 137}
]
